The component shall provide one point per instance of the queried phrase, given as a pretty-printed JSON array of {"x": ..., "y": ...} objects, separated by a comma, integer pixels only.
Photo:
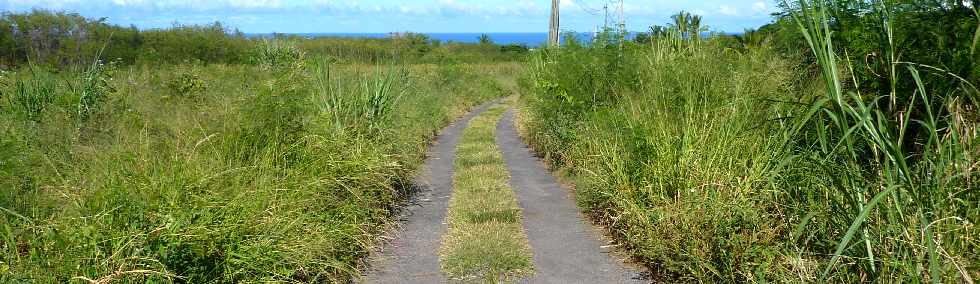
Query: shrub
[
  {"x": 4, "y": 83},
  {"x": 277, "y": 53},
  {"x": 186, "y": 84},
  {"x": 67, "y": 39}
]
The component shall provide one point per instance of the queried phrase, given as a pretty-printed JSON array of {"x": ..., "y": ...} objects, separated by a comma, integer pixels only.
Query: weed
[
  {"x": 277, "y": 53},
  {"x": 186, "y": 84},
  {"x": 919, "y": 189},
  {"x": 31, "y": 97},
  {"x": 366, "y": 107},
  {"x": 96, "y": 86}
]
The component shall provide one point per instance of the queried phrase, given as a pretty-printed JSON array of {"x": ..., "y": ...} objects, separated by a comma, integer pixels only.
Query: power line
[{"x": 586, "y": 8}]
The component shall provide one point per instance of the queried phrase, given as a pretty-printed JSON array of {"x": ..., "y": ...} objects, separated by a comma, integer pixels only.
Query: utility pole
[
  {"x": 622, "y": 16},
  {"x": 605, "y": 24},
  {"x": 622, "y": 24},
  {"x": 553, "y": 36}
]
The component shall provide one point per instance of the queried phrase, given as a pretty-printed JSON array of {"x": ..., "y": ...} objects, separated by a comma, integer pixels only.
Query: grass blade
[{"x": 855, "y": 225}]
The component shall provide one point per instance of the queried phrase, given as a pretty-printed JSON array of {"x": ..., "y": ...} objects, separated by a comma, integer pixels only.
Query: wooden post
[{"x": 553, "y": 35}]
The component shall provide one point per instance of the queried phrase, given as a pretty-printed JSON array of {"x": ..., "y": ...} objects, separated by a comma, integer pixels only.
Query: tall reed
[{"x": 901, "y": 203}]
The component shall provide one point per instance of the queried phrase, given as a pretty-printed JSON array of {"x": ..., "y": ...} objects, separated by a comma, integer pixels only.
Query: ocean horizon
[{"x": 527, "y": 39}]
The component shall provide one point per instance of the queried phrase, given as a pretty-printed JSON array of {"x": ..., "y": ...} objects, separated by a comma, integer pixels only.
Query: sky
[{"x": 383, "y": 16}]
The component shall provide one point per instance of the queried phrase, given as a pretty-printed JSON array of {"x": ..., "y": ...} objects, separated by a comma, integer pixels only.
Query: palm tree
[
  {"x": 485, "y": 39},
  {"x": 688, "y": 25},
  {"x": 681, "y": 22},
  {"x": 696, "y": 29}
]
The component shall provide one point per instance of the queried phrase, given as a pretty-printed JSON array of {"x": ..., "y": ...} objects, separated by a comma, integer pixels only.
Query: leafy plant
[
  {"x": 32, "y": 96},
  {"x": 96, "y": 86},
  {"x": 485, "y": 39},
  {"x": 910, "y": 183},
  {"x": 277, "y": 53},
  {"x": 186, "y": 84},
  {"x": 367, "y": 106}
]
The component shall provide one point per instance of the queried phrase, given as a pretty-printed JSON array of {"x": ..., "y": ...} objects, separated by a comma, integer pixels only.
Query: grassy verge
[
  {"x": 280, "y": 172},
  {"x": 666, "y": 163},
  {"x": 486, "y": 239},
  {"x": 717, "y": 165}
]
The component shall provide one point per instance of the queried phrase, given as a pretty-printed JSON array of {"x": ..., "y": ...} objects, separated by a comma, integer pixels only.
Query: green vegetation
[
  {"x": 64, "y": 39},
  {"x": 411, "y": 47},
  {"x": 486, "y": 239},
  {"x": 724, "y": 159},
  {"x": 207, "y": 170}
]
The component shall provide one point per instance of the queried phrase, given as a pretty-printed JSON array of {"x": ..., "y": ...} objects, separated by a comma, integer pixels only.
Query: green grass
[
  {"x": 214, "y": 173},
  {"x": 662, "y": 149},
  {"x": 486, "y": 239},
  {"x": 923, "y": 186},
  {"x": 721, "y": 165}
]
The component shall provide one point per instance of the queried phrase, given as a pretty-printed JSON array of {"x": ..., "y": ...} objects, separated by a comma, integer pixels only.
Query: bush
[
  {"x": 186, "y": 84},
  {"x": 658, "y": 142},
  {"x": 365, "y": 106},
  {"x": 277, "y": 54}
]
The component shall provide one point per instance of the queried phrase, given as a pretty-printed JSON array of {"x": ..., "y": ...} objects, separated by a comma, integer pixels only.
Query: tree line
[{"x": 64, "y": 39}]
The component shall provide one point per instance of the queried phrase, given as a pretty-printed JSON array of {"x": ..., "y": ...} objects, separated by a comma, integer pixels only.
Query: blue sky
[{"x": 382, "y": 16}]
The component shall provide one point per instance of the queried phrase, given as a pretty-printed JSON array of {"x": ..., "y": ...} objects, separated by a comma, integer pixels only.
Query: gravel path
[
  {"x": 413, "y": 256},
  {"x": 567, "y": 249}
]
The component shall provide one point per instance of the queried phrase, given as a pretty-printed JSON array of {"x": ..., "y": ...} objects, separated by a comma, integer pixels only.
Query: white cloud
[
  {"x": 164, "y": 4},
  {"x": 727, "y": 10},
  {"x": 507, "y": 15}
]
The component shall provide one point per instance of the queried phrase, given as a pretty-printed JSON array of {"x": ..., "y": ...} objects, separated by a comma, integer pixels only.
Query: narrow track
[
  {"x": 413, "y": 256},
  {"x": 567, "y": 249}
]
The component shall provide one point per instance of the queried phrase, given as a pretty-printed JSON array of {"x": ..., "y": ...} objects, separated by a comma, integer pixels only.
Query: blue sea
[{"x": 528, "y": 39}]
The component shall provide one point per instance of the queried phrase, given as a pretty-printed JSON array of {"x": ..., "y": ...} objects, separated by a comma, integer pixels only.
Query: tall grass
[
  {"x": 366, "y": 106},
  {"x": 241, "y": 182},
  {"x": 667, "y": 150},
  {"x": 902, "y": 203},
  {"x": 734, "y": 165}
]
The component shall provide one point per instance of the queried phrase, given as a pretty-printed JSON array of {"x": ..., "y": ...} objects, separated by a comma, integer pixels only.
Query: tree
[
  {"x": 688, "y": 25},
  {"x": 642, "y": 38},
  {"x": 485, "y": 40}
]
